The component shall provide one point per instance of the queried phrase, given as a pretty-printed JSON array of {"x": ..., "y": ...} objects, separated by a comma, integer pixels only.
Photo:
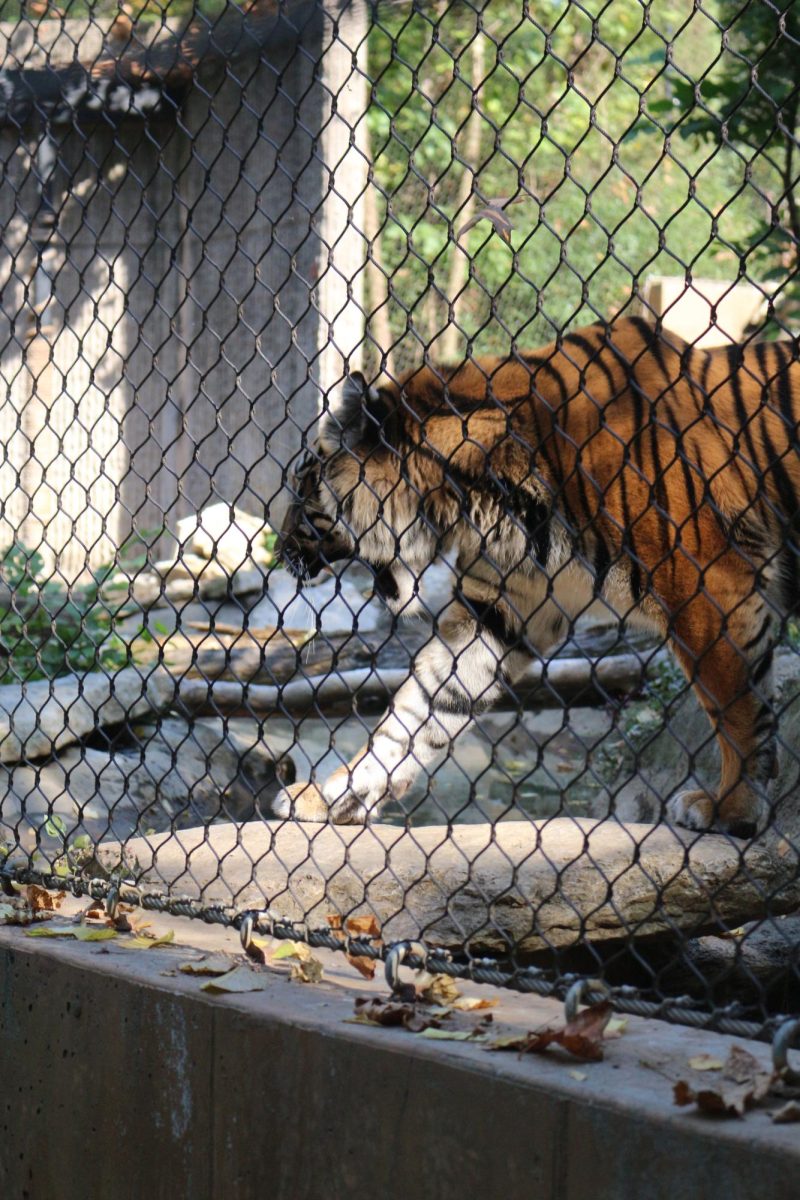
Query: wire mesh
[{"x": 399, "y": 488}]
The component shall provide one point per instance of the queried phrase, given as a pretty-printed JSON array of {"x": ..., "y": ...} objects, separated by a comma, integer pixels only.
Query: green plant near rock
[{"x": 48, "y": 629}]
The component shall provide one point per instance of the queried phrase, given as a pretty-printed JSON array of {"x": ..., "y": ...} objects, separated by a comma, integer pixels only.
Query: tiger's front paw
[
  {"x": 300, "y": 802},
  {"x": 348, "y": 794}
]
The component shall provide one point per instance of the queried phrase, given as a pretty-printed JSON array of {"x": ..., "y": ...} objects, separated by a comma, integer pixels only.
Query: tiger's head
[{"x": 353, "y": 496}]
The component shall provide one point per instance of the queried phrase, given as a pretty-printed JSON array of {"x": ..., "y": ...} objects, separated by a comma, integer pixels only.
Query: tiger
[{"x": 617, "y": 464}]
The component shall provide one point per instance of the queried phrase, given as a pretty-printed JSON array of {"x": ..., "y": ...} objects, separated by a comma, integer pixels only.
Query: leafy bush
[{"x": 48, "y": 629}]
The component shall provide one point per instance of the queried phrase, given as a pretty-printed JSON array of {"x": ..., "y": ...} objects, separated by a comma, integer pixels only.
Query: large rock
[
  {"x": 166, "y": 776},
  {"x": 36, "y": 719},
  {"x": 529, "y": 885}
]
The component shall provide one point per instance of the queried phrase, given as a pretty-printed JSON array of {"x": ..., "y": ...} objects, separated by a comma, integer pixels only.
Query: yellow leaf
[
  {"x": 83, "y": 933},
  {"x": 472, "y": 1003},
  {"x": 290, "y": 950},
  {"x": 705, "y": 1062},
  {"x": 147, "y": 943},
  {"x": 240, "y": 979},
  {"x": 579, "y": 1075},
  {"x": 212, "y": 965},
  {"x": 615, "y": 1027}
]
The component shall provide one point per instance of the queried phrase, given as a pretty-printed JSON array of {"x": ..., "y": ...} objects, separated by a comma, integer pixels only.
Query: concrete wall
[
  {"x": 121, "y": 1080},
  {"x": 164, "y": 343}
]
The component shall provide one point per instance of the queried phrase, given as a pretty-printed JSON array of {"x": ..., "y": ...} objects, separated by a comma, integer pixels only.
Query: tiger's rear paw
[
  {"x": 736, "y": 815},
  {"x": 693, "y": 810}
]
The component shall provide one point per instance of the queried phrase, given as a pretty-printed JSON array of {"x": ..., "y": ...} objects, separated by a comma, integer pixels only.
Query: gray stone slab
[{"x": 520, "y": 883}]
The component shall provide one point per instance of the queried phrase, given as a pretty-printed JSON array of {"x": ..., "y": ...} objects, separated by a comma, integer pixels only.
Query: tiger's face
[{"x": 351, "y": 498}]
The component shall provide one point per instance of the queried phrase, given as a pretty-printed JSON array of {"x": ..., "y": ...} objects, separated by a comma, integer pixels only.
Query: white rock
[
  {"x": 333, "y": 606},
  {"x": 225, "y": 535}
]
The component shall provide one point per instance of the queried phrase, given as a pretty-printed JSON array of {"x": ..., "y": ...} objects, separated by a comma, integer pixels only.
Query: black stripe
[
  {"x": 386, "y": 584},
  {"x": 491, "y": 618},
  {"x": 784, "y": 380},
  {"x": 788, "y": 499},
  {"x": 734, "y": 357},
  {"x": 763, "y": 667},
  {"x": 601, "y": 562},
  {"x": 765, "y": 624},
  {"x": 536, "y": 518},
  {"x": 594, "y": 357},
  {"x": 450, "y": 698}
]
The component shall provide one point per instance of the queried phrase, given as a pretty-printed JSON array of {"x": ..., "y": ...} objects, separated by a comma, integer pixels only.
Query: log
[{"x": 559, "y": 682}]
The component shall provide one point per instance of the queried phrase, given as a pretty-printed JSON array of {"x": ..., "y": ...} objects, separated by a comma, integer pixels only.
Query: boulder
[{"x": 523, "y": 884}]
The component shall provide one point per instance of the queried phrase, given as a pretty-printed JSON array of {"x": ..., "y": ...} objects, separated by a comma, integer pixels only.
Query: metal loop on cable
[
  {"x": 579, "y": 992},
  {"x": 395, "y": 956},
  {"x": 246, "y": 930},
  {"x": 112, "y": 901},
  {"x": 784, "y": 1038}
]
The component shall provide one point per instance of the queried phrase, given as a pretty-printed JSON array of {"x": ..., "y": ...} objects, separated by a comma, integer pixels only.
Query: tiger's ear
[{"x": 355, "y": 415}]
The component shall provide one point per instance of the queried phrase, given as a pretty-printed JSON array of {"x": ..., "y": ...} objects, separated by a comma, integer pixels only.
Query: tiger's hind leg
[{"x": 728, "y": 659}]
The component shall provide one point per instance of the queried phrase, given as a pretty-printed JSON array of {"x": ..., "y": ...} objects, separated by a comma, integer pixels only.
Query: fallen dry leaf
[
  {"x": 377, "y": 1011},
  {"x": 147, "y": 942},
  {"x": 83, "y": 933},
  {"x": 357, "y": 927},
  {"x": 472, "y": 1003},
  {"x": 442, "y": 989},
  {"x": 421, "y": 1018},
  {"x": 743, "y": 1084},
  {"x": 305, "y": 968},
  {"x": 706, "y": 1062},
  {"x": 211, "y": 965},
  {"x": 452, "y": 1035},
  {"x": 582, "y": 1038},
  {"x": 240, "y": 979},
  {"x": 579, "y": 1075},
  {"x": 787, "y": 1114},
  {"x": 38, "y": 898},
  {"x": 615, "y": 1027}
]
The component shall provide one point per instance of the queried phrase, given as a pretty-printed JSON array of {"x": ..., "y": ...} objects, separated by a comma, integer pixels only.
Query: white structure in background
[{"x": 686, "y": 311}]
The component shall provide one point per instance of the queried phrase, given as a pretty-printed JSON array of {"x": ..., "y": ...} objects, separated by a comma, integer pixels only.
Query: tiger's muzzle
[{"x": 306, "y": 549}]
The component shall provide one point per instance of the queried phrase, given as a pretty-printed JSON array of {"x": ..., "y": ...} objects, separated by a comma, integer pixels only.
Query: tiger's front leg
[{"x": 461, "y": 672}]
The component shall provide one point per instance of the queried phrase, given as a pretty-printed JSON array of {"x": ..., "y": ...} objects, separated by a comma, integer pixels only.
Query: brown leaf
[
  {"x": 743, "y": 1084},
  {"x": 582, "y": 1038},
  {"x": 377, "y": 1011},
  {"x": 365, "y": 966},
  {"x": 365, "y": 926},
  {"x": 37, "y": 898}
]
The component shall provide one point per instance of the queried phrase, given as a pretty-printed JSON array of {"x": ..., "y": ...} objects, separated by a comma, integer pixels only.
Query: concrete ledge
[
  {"x": 123, "y": 1081},
  {"x": 532, "y": 884}
]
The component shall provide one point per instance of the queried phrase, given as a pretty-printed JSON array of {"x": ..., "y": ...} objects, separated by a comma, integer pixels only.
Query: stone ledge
[{"x": 525, "y": 884}]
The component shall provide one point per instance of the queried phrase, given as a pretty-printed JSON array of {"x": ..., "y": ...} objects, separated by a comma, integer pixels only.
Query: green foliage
[
  {"x": 570, "y": 103},
  {"x": 49, "y": 629},
  {"x": 748, "y": 100}
]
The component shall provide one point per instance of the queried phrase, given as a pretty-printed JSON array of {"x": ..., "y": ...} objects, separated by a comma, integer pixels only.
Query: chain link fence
[{"x": 399, "y": 482}]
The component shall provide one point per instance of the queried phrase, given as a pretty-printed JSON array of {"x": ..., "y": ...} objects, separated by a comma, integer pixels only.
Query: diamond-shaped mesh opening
[{"x": 400, "y": 474}]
